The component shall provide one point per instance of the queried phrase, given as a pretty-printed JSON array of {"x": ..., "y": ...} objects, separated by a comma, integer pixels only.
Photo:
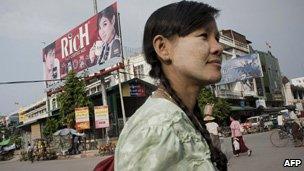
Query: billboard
[
  {"x": 241, "y": 68},
  {"x": 90, "y": 47},
  {"x": 82, "y": 118},
  {"x": 101, "y": 117}
]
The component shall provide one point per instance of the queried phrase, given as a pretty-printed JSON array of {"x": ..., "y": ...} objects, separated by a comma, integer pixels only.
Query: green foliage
[
  {"x": 51, "y": 126},
  {"x": 221, "y": 108},
  {"x": 73, "y": 96}
]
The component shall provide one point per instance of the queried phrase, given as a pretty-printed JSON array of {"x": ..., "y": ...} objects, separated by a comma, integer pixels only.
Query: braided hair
[{"x": 180, "y": 19}]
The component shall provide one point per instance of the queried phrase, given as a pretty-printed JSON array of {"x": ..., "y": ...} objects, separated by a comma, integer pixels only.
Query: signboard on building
[
  {"x": 137, "y": 90},
  {"x": 22, "y": 117},
  {"x": 101, "y": 116},
  {"x": 90, "y": 47},
  {"x": 241, "y": 68},
  {"x": 35, "y": 131},
  {"x": 82, "y": 118}
]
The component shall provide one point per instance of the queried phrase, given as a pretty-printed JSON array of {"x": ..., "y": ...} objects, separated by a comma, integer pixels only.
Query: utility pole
[{"x": 95, "y": 6}]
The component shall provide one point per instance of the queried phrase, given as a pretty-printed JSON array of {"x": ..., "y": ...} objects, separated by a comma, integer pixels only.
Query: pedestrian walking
[
  {"x": 213, "y": 128},
  {"x": 237, "y": 141}
]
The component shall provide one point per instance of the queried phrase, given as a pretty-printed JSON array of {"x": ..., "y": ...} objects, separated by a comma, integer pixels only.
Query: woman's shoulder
[{"x": 155, "y": 112}]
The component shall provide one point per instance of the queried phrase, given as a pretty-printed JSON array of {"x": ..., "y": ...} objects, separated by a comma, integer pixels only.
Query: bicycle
[{"x": 282, "y": 136}]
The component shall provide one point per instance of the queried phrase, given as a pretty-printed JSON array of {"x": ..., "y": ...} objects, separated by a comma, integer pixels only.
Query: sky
[{"x": 26, "y": 26}]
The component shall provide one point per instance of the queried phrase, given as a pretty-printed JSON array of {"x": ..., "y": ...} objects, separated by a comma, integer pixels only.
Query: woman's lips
[{"x": 216, "y": 63}]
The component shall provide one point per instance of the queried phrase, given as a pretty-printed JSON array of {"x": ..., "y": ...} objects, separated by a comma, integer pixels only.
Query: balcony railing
[
  {"x": 234, "y": 43},
  {"x": 229, "y": 94}
]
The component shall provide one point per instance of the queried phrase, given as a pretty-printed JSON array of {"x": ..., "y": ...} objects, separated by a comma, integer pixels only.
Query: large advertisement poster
[
  {"x": 90, "y": 47},
  {"x": 82, "y": 118},
  {"x": 101, "y": 117},
  {"x": 241, "y": 68}
]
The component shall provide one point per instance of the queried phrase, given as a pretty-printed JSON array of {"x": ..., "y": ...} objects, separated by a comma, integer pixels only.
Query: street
[
  {"x": 264, "y": 157},
  {"x": 52, "y": 165}
]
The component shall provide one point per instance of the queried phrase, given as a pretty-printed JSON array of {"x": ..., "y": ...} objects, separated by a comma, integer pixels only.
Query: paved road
[
  {"x": 265, "y": 157},
  {"x": 81, "y": 164}
]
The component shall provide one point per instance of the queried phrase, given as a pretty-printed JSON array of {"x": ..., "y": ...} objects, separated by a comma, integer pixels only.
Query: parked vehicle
[
  {"x": 252, "y": 124},
  {"x": 7, "y": 150}
]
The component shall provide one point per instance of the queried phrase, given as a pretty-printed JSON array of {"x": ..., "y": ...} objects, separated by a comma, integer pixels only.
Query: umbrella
[
  {"x": 68, "y": 131},
  {"x": 65, "y": 131}
]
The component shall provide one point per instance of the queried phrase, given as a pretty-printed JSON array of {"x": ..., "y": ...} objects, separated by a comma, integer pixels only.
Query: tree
[
  {"x": 221, "y": 108},
  {"x": 72, "y": 96},
  {"x": 50, "y": 127}
]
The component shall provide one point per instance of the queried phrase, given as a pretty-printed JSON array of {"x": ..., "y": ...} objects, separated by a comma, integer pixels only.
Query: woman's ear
[
  {"x": 162, "y": 47},
  {"x": 113, "y": 20}
]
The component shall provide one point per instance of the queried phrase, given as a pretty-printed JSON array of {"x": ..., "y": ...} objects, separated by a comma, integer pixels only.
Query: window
[
  {"x": 54, "y": 106},
  {"x": 93, "y": 90},
  {"x": 267, "y": 89},
  {"x": 98, "y": 88},
  {"x": 139, "y": 71}
]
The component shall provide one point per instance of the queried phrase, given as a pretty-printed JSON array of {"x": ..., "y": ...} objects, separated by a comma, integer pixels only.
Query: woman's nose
[{"x": 216, "y": 48}]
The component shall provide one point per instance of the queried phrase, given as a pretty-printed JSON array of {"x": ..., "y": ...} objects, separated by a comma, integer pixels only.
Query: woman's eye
[
  {"x": 217, "y": 38},
  {"x": 204, "y": 36}
]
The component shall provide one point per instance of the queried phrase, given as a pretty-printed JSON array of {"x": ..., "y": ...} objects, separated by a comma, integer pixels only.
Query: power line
[
  {"x": 32, "y": 81},
  {"x": 38, "y": 81}
]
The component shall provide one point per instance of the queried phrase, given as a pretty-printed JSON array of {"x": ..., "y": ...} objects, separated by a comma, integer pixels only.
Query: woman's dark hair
[
  {"x": 180, "y": 19},
  {"x": 46, "y": 50},
  {"x": 109, "y": 12},
  {"x": 235, "y": 116}
]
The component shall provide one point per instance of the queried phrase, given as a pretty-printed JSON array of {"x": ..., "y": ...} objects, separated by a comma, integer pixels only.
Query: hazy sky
[{"x": 25, "y": 24}]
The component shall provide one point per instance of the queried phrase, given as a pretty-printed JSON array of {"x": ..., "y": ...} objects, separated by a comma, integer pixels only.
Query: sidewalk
[{"x": 84, "y": 154}]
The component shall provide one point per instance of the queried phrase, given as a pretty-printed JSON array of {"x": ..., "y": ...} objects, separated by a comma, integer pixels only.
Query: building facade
[
  {"x": 272, "y": 80},
  {"x": 32, "y": 120}
]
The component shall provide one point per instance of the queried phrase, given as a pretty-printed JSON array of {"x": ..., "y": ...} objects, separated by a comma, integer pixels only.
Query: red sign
[{"x": 93, "y": 45}]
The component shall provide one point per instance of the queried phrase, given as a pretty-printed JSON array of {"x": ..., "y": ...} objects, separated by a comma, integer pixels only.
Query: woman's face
[
  {"x": 49, "y": 60},
  {"x": 106, "y": 29},
  {"x": 197, "y": 56}
]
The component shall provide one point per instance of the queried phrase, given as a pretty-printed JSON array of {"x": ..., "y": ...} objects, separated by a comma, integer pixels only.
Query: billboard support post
[
  {"x": 95, "y": 6},
  {"x": 121, "y": 99},
  {"x": 104, "y": 102}
]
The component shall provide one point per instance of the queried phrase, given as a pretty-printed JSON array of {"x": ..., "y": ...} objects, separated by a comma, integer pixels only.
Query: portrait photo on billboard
[
  {"x": 108, "y": 43},
  {"x": 51, "y": 64}
]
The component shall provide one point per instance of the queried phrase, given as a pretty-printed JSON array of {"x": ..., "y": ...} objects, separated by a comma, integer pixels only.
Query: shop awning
[
  {"x": 5, "y": 142},
  {"x": 239, "y": 108},
  {"x": 27, "y": 123}
]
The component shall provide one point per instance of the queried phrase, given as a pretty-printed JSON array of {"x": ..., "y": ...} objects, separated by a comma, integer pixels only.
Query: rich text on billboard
[
  {"x": 90, "y": 47},
  {"x": 101, "y": 117},
  {"x": 82, "y": 118},
  {"x": 241, "y": 68}
]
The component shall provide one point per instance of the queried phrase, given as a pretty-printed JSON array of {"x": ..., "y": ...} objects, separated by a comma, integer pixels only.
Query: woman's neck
[{"x": 188, "y": 94}]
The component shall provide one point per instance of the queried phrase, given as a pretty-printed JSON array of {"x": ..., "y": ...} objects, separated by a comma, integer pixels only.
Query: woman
[
  {"x": 108, "y": 46},
  {"x": 213, "y": 128},
  {"x": 236, "y": 135},
  {"x": 181, "y": 45}
]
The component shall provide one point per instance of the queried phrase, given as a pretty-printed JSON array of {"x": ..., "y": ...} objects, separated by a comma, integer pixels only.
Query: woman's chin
[{"x": 213, "y": 79}]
